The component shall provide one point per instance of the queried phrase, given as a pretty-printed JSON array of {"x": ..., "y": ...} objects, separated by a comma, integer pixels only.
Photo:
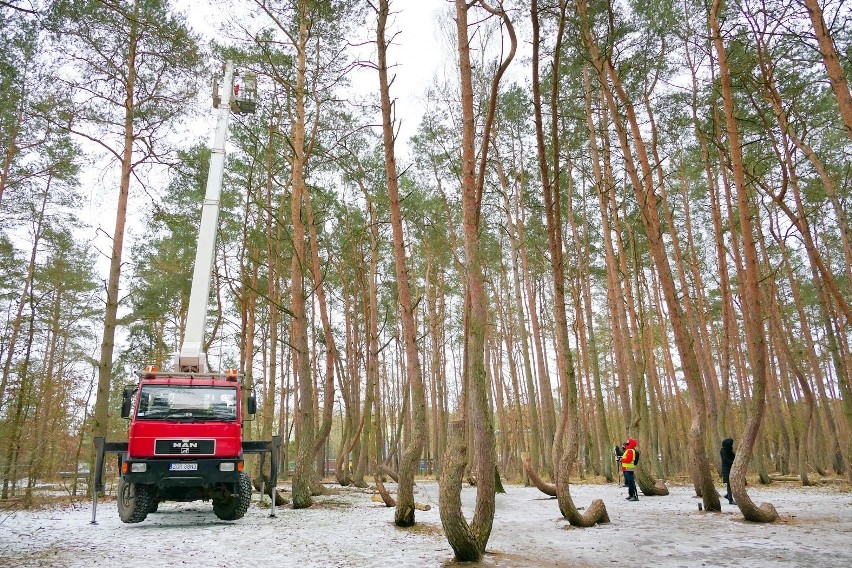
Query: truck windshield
[{"x": 167, "y": 402}]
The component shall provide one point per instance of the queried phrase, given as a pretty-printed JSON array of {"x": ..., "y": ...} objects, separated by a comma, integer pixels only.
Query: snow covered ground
[{"x": 346, "y": 528}]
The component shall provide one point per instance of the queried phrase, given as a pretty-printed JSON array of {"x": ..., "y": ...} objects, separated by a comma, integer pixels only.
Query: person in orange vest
[{"x": 628, "y": 464}]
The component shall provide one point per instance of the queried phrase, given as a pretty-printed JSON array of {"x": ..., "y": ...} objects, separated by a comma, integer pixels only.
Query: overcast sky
[{"x": 415, "y": 56}]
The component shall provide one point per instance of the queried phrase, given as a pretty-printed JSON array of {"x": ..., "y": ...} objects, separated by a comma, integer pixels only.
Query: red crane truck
[{"x": 185, "y": 440}]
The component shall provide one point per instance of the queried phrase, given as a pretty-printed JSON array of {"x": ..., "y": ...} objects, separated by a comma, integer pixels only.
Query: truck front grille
[{"x": 185, "y": 447}]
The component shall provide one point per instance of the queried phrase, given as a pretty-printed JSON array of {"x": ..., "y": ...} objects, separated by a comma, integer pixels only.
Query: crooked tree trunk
[
  {"x": 565, "y": 440},
  {"x": 751, "y": 305},
  {"x": 469, "y": 541},
  {"x": 404, "y": 516},
  {"x": 540, "y": 484},
  {"x": 647, "y": 201},
  {"x": 462, "y": 537}
]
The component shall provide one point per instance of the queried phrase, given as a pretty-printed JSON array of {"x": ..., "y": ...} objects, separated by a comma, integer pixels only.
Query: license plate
[{"x": 183, "y": 466}]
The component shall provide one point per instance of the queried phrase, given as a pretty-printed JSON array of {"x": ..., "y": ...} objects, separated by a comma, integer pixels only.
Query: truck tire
[
  {"x": 134, "y": 501},
  {"x": 154, "y": 505},
  {"x": 235, "y": 504}
]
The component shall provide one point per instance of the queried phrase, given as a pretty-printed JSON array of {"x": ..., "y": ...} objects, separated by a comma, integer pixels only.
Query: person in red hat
[{"x": 628, "y": 464}]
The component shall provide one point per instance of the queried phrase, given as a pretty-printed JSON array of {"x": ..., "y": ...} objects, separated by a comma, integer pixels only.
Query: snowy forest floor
[{"x": 346, "y": 528}]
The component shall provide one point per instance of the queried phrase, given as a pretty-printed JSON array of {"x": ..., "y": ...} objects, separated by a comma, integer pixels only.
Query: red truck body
[{"x": 185, "y": 443}]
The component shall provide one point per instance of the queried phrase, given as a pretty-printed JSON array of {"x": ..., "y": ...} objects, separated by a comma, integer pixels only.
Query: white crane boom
[{"x": 191, "y": 357}]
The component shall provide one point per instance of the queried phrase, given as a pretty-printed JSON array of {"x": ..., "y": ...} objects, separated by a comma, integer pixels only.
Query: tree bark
[
  {"x": 565, "y": 440},
  {"x": 469, "y": 542},
  {"x": 751, "y": 306},
  {"x": 830, "y": 59},
  {"x": 303, "y": 472},
  {"x": 404, "y": 516},
  {"x": 100, "y": 422}
]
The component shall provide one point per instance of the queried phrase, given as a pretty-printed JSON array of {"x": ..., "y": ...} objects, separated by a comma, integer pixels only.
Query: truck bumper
[{"x": 159, "y": 472}]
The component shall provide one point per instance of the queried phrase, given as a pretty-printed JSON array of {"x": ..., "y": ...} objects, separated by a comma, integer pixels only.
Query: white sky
[{"x": 415, "y": 56}]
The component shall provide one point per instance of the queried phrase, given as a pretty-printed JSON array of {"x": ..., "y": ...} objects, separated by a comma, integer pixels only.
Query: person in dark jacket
[{"x": 727, "y": 453}]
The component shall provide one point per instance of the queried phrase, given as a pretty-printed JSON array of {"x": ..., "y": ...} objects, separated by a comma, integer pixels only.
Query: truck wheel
[
  {"x": 134, "y": 501},
  {"x": 154, "y": 505},
  {"x": 235, "y": 504}
]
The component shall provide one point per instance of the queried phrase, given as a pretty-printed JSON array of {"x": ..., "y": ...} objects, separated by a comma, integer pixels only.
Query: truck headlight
[
  {"x": 138, "y": 467},
  {"x": 227, "y": 466}
]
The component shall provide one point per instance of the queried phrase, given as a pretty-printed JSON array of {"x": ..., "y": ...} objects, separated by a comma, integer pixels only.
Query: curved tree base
[
  {"x": 343, "y": 478},
  {"x": 540, "y": 484},
  {"x": 595, "y": 514},
  {"x": 765, "y": 513},
  {"x": 647, "y": 484},
  {"x": 280, "y": 501},
  {"x": 464, "y": 543}
]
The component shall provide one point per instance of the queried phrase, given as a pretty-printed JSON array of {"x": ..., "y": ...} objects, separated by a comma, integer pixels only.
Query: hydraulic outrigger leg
[
  {"x": 273, "y": 447},
  {"x": 102, "y": 447}
]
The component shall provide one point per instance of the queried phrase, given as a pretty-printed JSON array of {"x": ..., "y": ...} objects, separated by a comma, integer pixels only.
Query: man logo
[{"x": 184, "y": 446}]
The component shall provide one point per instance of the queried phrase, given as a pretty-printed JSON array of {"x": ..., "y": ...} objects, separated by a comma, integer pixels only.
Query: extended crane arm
[{"x": 191, "y": 357}]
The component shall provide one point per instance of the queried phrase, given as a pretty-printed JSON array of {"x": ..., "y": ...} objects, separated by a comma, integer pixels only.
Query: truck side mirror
[
  {"x": 127, "y": 402},
  {"x": 251, "y": 404}
]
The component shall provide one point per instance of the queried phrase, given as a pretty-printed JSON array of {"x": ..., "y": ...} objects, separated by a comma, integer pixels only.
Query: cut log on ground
[
  {"x": 377, "y": 498},
  {"x": 267, "y": 490}
]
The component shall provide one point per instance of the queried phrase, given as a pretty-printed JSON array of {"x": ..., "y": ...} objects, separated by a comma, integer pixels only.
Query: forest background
[{"x": 613, "y": 219}]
